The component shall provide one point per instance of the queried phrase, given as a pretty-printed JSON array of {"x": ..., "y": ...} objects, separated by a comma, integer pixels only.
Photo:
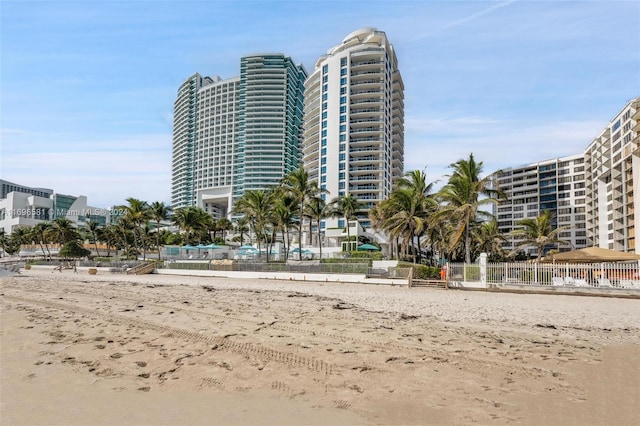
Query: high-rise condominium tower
[
  {"x": 238, "y": 134},
  {"x": 354, "y": 121}
]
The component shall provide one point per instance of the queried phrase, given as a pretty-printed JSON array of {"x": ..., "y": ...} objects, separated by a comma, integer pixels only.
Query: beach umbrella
[
  {"x": 368, "y": 247},
  {"x": 248, "y": 248},
  {"x": 188, "y": 247},
  {"x": 212, "y": 247}
]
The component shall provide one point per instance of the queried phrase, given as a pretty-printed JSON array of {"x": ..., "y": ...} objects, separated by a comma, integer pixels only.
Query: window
[
  {"x": 325, "y": 78},
  {"x": 324, "y": 97},
  {"x": 325, "y": 69},
  {"x": 343, "y": 90},
  {"x": 343, "y": 118},
  {"x": 323, "y": 169},
  {"x": 323, "y": 151},
  {"x": 324, "y": 142},
  {"x": 343, "y": 81},
  {"x": 341, "y": 185},
  {"x": 341, "y": 175},
  {"x": 341, "y": 166},
  {"x": 343, "y": 62},
  {"x": 342, "y": 156},
  {"x": 343, "y": 128},
  {"x": 343, "y": 99},
  {"x": 325, "y": 87},
  {"x": 324, "y": 133},
  {"x": 323, "y": 179},
  {"x": 324, "y": 124},
  {"x": 343, "y": 71},
  {"x": 343, "y": 109},
  {"x": 343, "y": 147},
  {"x": 323, "y": 160},
  {"x": 343, "y": 138}
]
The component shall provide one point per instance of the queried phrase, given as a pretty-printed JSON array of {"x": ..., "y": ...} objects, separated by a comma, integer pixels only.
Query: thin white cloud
[{"x": 462, "y": 21}]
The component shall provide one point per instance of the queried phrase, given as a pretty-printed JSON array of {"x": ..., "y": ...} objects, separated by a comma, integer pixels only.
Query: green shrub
[
  {"x": 472, "y": 272},
  {"x": 422, "y": 272},
  {"x": 373, "y": 255},
  {"x": 530, "y": 276},
  {"x": 362, "y": 260}
]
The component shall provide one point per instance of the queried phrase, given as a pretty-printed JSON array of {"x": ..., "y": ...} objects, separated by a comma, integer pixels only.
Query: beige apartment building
[
  {"x": 593, "y": 194},
  {"x": 612, "y": 175}
]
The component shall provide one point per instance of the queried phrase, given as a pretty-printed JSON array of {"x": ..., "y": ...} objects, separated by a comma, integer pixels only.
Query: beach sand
[{"x": 108, "y": 349}]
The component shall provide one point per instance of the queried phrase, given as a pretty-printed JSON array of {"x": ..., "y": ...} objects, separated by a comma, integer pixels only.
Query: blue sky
[{"x": 87, "y": 87}]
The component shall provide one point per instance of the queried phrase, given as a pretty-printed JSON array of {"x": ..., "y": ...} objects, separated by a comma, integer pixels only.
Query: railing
[
  {"x": 322, "y": 268},
  {"x": 589, "y": 275}
]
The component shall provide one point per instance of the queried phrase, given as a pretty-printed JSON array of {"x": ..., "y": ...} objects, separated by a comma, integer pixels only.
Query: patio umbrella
[
  {"x": 188, "y": 247},
  {"x": 247, "y": 248},
  {"x": 591, "y": 255},
  {"x": 212, "y": 246},
  {"x": 297, "y": 249},
  {"x": 368, "y": 247}
]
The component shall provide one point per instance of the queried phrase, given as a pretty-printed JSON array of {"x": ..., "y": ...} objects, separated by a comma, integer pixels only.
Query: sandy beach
[{"x": 108, "y": 349}]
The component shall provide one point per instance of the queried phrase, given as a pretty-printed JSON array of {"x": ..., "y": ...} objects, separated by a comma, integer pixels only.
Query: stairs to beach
[{"x": 142, "y": 269}]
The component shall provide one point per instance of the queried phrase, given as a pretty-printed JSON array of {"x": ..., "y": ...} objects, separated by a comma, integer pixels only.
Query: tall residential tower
[
  {"x": 354, "y": 121},
  {"x": 238, "y": 134}
]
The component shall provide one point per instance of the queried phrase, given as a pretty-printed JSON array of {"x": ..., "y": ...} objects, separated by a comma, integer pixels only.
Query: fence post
[
  {"x": 483, "y": 269},
  {"x": 410, "y": 278}
]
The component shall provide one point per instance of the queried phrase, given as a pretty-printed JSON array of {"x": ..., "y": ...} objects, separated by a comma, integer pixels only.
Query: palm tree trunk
[
  {"x": 320, "y": 239},
  {"x": 348, "y": 236},
  {"x": 284, "y": 242},
  {"x": 95, "y": 243},
  {"x": 467, "y": 245},
  {"x": 158, "y": 240}
]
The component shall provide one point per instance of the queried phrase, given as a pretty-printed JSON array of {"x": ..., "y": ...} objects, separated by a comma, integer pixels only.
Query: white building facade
[
  {"x": 354, "y": 122},
  {"x": 557, "y": 186},
  {"x": 22, "y": 209}
]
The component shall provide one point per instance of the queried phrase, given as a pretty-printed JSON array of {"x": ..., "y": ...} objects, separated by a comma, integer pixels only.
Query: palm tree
[
  {"x": 223, "y": 225},
  {"x": 192, "y": 220},
  {"x": 110, "y": 236},
  {"x": 158, "y": 212},
  {"x": 3, "y": 241},
  {"x": 490, "y": 239},
  {"x": 256, "y": 206},
  {"x": 346, "y": 206},
  {"x": 406, "y": 211},
  {"x": 462, "y": 198},
  {"x": 62, "y": 231},
  {"x": 241, "y": 227},
  {"x": 539, "y": 233},
  {"x": 136, "y": 213},
  {"x": 39, "y": 235},
  {"x": 301, "y": 189},
  {"x": 317, "y": 210},
  {"x": 282, "y": 217},
  {"x": 94, "y": 228}
]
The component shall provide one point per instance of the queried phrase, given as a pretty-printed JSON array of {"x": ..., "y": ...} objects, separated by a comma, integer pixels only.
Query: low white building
[{"x": 21, "y": 209}]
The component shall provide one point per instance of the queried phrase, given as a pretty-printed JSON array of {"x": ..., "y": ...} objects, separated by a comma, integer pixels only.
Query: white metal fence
[{"x": 610, "y": 275}]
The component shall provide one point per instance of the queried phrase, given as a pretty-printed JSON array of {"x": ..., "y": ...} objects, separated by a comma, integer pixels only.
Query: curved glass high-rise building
[
  {"x": 354, "y": 121},
  {"x": 238, "y": 134}
]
